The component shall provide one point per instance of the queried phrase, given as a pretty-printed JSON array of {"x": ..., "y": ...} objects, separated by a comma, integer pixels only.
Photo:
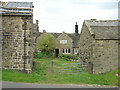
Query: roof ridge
[
  {"x": 102, "y": 20},
  {"x": 89, "y": 28}
]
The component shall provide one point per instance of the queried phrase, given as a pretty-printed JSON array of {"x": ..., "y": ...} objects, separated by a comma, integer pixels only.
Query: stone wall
[
  {"x": 85, "y": 45},
  {"x": 13, "y": 43},
  {"x": 36, "y": 34},
  {"x": 105, "y": 56},
  {"x": 0, "y": 41}
]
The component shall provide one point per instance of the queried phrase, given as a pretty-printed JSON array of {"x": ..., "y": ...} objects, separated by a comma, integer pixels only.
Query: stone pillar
[
  {"x": 13, "y": 43},
  {"x": 52, "y": 66},
  {"x": 0, "y": 51},
  {"x": 0, "y": 41}
]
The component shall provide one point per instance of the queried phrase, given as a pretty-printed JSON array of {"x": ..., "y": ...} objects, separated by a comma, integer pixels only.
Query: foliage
[
  {"x": 68, "y": 57},
  {"x": 40, "y": 55},
  {"x": 41, "y": 74},
  {"x": 47, "y": 44},
  {"x": 39, "y": 68},
  {"x": 34, "y": 54}
]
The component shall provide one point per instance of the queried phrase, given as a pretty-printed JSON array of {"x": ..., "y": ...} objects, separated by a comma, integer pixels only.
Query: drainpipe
[{"x": 25, "y": 41}]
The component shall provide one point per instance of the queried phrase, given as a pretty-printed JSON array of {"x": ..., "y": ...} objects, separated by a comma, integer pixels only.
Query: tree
[{"x": 47, "y": 44}]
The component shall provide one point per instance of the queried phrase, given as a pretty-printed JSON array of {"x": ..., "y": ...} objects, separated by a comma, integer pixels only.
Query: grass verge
[{"x": 42, "y": 74}]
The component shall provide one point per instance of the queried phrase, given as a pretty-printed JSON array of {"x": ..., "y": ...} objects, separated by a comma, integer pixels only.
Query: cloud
[
  {"x": 61, "y": 15},
  {"x": 69, "y": 13},
  {"x": 109, "y": 5}
]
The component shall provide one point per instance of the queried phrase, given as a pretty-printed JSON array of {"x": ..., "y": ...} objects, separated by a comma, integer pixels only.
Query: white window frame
[
  {"x": 63, "y": 41},
  {"x": 66, "y": 51},
  {"x": 75, "y": 51}
]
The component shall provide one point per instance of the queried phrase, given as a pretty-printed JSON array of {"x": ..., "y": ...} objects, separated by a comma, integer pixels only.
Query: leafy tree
[{"x": 47, "y": 44}]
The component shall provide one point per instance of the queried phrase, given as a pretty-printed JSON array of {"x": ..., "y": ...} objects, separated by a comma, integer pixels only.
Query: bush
[
  {"x": 68, "y": 57},
  {"x": 47, "y": 43},
  {"x": 34, "y": 55},
  {"x": 40, "y": 55},
  {"x": 39, "y": 68}
]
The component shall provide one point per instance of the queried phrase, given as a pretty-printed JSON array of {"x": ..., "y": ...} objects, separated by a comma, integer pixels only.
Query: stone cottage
[
  {"x": 67, "y": 43},
  {"x": 16, "y": 35},
  {"x": 98, "y": 45}
]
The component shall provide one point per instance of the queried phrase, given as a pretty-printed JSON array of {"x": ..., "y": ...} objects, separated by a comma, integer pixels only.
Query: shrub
[
  {"x": 34, "y": 55},
  {"x": 68, "y": 57},
  {"x": 47, "y": 43},
  {"x": 40, "y": 55},
  {"x": 39, "y": 68}
]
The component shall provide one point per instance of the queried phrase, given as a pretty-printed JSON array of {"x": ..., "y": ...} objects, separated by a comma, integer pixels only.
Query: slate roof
[
  {"x": 56, "y": 35},
  {"x": 75, "y": 39},
  {"x": 104, "y": 29},
  {"x": 18, "y": 5},
  {"x": 17, "y": 8}
]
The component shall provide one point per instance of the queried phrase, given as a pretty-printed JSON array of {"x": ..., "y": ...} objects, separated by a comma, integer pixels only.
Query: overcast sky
[{"x": 61, "y": 15}]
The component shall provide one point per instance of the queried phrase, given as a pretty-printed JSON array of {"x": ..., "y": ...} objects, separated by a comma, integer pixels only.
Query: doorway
[{"x": 56, "y": 52}]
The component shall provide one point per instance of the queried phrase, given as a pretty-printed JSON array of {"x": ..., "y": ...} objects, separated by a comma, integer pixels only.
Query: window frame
[
  {"x": 63, "y": 41},
  {"x": 66, "y": 51},
  {"x": 75, "y": 51}
]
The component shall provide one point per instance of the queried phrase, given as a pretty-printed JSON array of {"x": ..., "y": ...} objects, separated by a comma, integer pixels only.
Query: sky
[{"x": 62, "y": 15}]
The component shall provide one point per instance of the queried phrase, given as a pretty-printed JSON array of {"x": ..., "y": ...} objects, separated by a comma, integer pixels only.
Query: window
[
  {"x": 63, "y": 41},
  {"x": 66, "y": 51},
  {"x": 63, "y": 51},
  {"x": 76, "y": 51}
]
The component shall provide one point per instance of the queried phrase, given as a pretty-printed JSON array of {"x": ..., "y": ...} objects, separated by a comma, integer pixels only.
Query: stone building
[
  {"x": 67, "y": 43},
  {"x": 17, "y": 35},
  {"x": 36, "y": 34},
  {"x": 98, "y": 45}
]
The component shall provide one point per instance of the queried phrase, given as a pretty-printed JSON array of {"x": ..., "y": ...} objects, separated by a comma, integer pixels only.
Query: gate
[{"x": 69, "y": 68}]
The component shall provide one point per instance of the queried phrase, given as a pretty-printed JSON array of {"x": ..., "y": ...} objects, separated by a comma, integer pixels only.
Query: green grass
[{"x": 42, "y": 74}]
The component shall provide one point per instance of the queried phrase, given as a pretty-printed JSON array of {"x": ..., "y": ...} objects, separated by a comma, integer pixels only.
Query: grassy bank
[{"x": 42, "y": 74}]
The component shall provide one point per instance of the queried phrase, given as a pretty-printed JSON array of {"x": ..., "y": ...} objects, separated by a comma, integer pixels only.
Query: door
[{"x": 56, "y": 52}]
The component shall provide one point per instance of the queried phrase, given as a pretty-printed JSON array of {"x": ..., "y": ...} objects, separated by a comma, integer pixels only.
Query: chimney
[
  {"x": 44, "y": 31},
  {"x": 76, "y": 29},
  {"x": 93, "y": 19},
  {"x": 37, "y": 22}
]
